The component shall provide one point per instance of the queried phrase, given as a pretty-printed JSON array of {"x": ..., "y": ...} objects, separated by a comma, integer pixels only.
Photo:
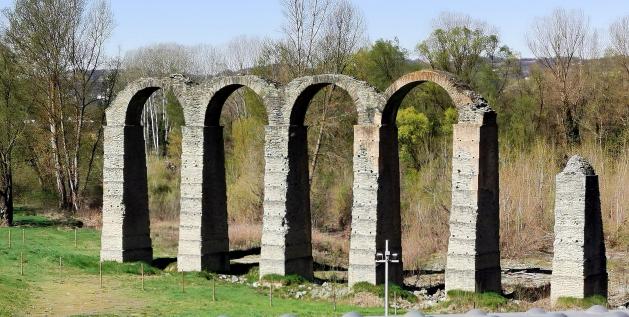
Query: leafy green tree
[
  {"x": 413, "y": 128},
  {"x": 381, "y": 64},
  {"x": 12, "y": 117}
]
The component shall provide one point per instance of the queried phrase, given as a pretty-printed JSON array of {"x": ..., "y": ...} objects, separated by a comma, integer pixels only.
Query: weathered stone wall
[
  {"x": 203, "y": 229},
  {"x": 125, "y": 234},
  {"x": 579, "y": 262},
  {"x": 473, "y": 260},
  {"x": 473, "y": 257}
]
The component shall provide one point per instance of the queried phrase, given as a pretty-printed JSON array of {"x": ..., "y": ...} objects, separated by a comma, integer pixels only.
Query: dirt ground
[{"x": 81, "y": 294}]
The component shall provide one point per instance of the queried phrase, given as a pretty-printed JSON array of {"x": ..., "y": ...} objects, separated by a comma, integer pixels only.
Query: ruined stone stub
[{"x": 579, "y": 262}]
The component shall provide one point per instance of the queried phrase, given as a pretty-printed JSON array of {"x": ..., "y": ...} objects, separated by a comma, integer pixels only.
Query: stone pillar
[
  {"x": 125, "y": 234},
  {"x": 579, "y": 262},
  {"x": 376, "y": 205},
  {"x": 473, "y": 260},
  {"x": 286, "y": 232},
  {"x": 203, "y": 235}
]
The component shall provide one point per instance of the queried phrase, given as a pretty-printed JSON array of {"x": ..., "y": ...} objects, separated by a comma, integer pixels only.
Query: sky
[{"x": 144, "y": 22}]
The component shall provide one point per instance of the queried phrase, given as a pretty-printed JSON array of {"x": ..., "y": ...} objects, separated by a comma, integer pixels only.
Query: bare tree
[
  {"x": 242, "y": 53},
  {"x": 207, "y": 60},
  {"x": 343, "y": 34},
  {"x": 304, "y": 21},
  {"x": 560, "y": 42},
  {"x": 619, "y": 41},
  {"x": 60, "y": 46}
]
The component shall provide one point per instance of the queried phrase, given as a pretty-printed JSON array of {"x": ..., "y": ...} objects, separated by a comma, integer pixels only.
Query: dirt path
[{"x": 81, "y": 295}]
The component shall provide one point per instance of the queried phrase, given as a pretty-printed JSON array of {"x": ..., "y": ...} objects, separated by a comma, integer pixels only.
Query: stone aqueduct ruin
[{"x": 473, "y": 259}]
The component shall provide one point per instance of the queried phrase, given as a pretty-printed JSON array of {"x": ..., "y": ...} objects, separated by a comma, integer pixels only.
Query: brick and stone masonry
[
  {"x": 473, "y": 259},
  {"x": 579, "y": 262},
  {"x": 473, "y": 262}
]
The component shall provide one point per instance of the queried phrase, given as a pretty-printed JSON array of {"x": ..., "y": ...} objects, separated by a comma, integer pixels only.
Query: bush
[
  {"x": 571, "y": 302},
  {"x": 284, "y": 280},
  {"x": 253, "y": 275},
  {"x": 378, "y": 290},
  {"x": 487, "y": 300}
]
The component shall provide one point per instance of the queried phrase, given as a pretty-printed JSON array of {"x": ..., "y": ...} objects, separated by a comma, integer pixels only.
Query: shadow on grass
[
  {"x": 162, "y": 263},
  {"x": 23, "y": 220},
  {"x": 237, "y": 254}
]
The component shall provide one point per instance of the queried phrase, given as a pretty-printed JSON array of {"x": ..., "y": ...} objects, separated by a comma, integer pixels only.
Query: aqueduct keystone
[{"x": 579, "y": 262}]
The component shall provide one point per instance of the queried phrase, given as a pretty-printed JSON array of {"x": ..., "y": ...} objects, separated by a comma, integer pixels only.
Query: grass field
[{"x": 74, "y": 287}]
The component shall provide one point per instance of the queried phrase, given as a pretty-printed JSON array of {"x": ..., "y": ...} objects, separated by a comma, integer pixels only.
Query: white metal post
[
  {"x": 386, "y": 278},
  {"x": 386, "y": 258}
]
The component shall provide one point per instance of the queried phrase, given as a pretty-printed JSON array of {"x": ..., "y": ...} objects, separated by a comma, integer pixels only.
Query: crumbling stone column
[
  {"x": 473, "y": 260},
  {"x": 125, "y": 234},
  {"x": 376, "y": 204},
  {"x": 286, "y": 233},
  {"x": 203, "y": 235},
  {"x": 579, "y": 262}
]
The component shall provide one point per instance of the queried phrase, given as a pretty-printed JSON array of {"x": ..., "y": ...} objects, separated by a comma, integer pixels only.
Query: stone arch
[
  {"x": 301, "y": 90},
  {"x": 126, "y": 233},
  {"x": 203, "y": 237},
  {"x": 206, "y": 99},
  {"x": 473, "y": 259},
  {"x": 286, "y": 236}
]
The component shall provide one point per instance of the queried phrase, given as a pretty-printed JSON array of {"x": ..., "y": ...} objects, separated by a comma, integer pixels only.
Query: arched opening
[
  {"x": 473, "y": 257},
  {"x": 222, "y": 189},
  {"x": 323, "y": 117},
  {"x": 135, "y": 152},
  {"x": 423, "y": 114},
  {"x": 242, "y": 115}
]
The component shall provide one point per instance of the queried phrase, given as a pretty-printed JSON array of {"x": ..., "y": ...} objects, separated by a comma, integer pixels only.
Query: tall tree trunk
[
  {"x": 315, "y": 154},
  {"x": 6, "y": 192}
]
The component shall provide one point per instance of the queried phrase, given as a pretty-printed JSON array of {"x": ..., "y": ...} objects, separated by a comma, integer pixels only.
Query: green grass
[
  {"x": 287, "y": 280},
  {"x": 378, "y": 290},
  {"x": 45, "y": 243},
  {"x": 583, "y": 303},
  {"x": 463, "y": 301}
]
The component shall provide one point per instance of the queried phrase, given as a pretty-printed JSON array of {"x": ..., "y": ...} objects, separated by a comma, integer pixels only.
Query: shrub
[
  {"x": 285, "y": 280},
  {"x": 378, "y": 290},
  {"x": 571, "y": 302}
]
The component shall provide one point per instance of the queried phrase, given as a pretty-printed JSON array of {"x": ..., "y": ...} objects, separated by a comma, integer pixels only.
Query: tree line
[{"x": 56, "y": 81}]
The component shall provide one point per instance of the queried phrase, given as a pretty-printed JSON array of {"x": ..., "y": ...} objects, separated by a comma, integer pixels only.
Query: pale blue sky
[{"x": 142, "y": 22}]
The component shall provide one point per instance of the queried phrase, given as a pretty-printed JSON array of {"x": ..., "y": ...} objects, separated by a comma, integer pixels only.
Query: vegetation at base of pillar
[{"x": 572, "y": 100}]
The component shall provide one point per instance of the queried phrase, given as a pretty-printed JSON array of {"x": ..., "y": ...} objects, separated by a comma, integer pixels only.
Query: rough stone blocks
[{"x": 579, "y": 262}]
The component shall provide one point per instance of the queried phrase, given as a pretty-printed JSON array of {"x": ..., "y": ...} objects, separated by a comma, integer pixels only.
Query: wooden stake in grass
[
  {"x": 142, "y": 272},
  {"x": 100, "y": 273},
  {"x": 214, "y": 288},
  {"x": 395, "y": 303},
  {"x": 334, "y": 296},
  {"x": 183, "y": 281},
  {"x": 21, "y": 264},
  {"x": 60, "y": 262},
  {"x": 9, "y": 238},
  {"x": 75, "y": 242},
  {"x": 271, "y": 294}
]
